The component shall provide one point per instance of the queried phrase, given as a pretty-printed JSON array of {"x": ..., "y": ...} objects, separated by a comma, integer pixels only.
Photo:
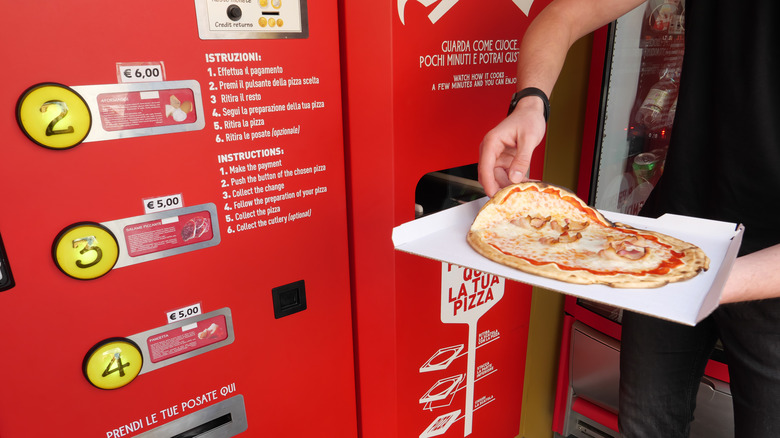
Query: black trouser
[{"x": 662, "y": 364}]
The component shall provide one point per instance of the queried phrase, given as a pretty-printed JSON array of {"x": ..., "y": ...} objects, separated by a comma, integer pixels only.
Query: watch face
[{"x": 513, "y": 103}]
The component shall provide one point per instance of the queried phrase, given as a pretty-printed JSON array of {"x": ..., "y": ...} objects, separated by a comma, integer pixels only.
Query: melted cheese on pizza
[
  {"x": 542, "y": 229},
  {"x": 591, "y": 252}
]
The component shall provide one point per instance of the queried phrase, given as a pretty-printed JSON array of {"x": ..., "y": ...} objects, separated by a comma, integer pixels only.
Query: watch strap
[{"x": 530, "y": 91}]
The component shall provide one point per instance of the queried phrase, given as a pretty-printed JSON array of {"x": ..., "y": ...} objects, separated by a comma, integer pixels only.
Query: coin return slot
[{"x": 206, "y": 427}]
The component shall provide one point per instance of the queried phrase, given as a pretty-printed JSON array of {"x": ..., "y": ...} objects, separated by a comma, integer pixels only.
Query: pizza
[{"x": 548, "y": 231}]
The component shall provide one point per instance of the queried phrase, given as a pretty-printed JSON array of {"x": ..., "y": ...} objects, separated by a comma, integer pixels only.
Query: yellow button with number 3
[
  {"x": 85, "y": 250},
  {"x": 53, "y": 116},
  {"x": 113, "y": 363}
]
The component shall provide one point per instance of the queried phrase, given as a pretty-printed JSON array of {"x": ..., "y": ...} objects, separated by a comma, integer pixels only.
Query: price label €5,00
[
  {"x": 184, "y": 313},
  {"x": 153, "y": 205}
]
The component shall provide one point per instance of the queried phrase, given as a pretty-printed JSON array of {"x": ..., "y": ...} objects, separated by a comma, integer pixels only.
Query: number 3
[{"x": 90, "y": 242}]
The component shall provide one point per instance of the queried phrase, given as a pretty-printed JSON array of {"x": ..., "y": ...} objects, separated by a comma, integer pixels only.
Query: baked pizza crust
[{"x": 511, "y": 203}]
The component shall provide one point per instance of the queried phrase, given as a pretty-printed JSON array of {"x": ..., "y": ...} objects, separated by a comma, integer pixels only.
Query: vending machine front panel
[
  {"x": 440, "y": 349},
  {"x": 160, "y": 184}
]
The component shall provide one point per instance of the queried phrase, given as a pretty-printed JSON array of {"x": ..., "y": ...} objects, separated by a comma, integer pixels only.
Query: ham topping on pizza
[
  {"x": 564, "y": 237},
  {"x": 560, "y": 232},
  {"x": 628, "y": 249}
]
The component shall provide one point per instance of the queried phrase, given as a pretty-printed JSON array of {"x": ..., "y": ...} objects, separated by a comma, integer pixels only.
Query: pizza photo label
[{"x": 169, "y": 233}]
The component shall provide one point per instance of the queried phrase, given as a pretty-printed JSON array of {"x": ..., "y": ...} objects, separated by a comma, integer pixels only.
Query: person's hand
[{"x": 506, "y": 150}]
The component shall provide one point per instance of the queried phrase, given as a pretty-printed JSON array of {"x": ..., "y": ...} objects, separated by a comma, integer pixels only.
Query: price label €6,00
[{"x": 140, "y": 72}]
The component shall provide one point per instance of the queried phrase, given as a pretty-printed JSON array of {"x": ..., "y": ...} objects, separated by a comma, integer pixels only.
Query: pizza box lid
[{"x": 442, "y": 236}]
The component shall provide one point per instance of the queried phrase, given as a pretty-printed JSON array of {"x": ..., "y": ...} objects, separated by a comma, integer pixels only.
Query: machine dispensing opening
[
  {"x": 447, "y": 188},
  {"x": 205, "y": 427},
  {"x": 224, "y": 419}
]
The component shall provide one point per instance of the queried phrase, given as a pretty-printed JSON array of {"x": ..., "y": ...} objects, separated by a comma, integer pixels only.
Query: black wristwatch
[{"x": 530, "y": 91}]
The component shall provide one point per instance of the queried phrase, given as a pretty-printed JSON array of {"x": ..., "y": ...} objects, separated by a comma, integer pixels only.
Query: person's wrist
[{"x": 529, "y": 92}]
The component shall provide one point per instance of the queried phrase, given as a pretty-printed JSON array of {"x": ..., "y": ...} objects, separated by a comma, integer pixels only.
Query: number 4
[{"x": 119, "y": 366}]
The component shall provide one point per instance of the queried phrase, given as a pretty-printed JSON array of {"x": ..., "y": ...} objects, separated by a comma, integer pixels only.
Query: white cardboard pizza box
[{"x": 442, "y": 236}]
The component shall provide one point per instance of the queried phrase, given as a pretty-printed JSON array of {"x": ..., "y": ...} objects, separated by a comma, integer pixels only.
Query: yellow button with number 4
[{"x": 113, "y": 363}]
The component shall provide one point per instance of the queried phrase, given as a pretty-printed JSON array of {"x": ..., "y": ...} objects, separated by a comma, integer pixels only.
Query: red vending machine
[
  {"x": 174, "y": 256},
  {"x": 631, "y": 104},
  {"x": 440, "y": 349}
]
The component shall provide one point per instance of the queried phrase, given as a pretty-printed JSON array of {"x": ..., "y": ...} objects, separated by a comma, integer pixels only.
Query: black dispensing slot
[
  {"x": 222, "y": 420},
  {"x": 205, "y": 427}
]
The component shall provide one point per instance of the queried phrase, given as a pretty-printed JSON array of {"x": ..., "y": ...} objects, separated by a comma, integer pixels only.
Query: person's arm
[
  {"x": 755, "y": 276},
  {"x": 505, "y": 151}
]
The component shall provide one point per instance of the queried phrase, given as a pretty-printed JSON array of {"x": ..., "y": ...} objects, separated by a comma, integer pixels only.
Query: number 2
[{"x": 63, "y": 112}]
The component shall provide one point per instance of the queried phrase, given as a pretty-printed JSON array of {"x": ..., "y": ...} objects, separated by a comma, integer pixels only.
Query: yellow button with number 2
[{"x": 53, "y": 116}]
